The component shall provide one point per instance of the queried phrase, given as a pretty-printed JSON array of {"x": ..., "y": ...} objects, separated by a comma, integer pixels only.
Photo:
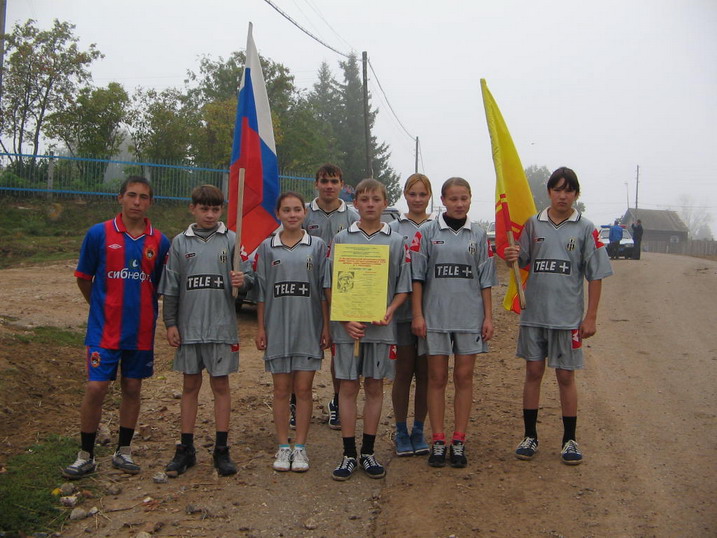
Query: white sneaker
[
  {"x": 299, "y": 460},
  {"x": 282, "y": 462}
]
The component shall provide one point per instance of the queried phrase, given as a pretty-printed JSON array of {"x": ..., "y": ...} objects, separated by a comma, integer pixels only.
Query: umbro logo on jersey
[
  {"x": 292, "y": 289},
  {"x": 561, "y": 267},
  {"x": 114, "y": 246},
  {"x": 453, "y": 270},
  {"x": 205, "y": 282},
  {"x": 189, "y": 255}
]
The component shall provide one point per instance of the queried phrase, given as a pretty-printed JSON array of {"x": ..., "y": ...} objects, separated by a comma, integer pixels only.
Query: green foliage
[
  {"x": 28, "y": 504},
  {"x": 41, "y": 73},
  {"x": 37, "y": 231},
  {"x": 90, "y": 123},
  {"x": 51, "y": 336},
  {"x": 538, "y": 177}
]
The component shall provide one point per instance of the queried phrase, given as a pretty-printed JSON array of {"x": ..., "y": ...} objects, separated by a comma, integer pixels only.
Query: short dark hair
[
  {"x": 570, "y": 177},
  {"x": 370, "y": 185},
  {"x": 289, "y": 194},
  {"x": 329, "y": 170},
  {"x": 136, "y": 179},
  {"x": 207, "y": 195}
]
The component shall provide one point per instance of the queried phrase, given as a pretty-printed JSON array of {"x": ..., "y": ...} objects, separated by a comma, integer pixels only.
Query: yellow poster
[{"x": 359, "y": 282}]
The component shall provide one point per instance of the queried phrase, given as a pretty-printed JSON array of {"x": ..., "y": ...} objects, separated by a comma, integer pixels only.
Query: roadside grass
[
  {"x": 26, "y": 488},
  {"x": 50, "y": 336},
  {"x": 36, "y": 231}
]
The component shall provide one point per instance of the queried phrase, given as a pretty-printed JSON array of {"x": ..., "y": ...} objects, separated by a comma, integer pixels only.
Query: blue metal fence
[{"x": 62, "y": 176}]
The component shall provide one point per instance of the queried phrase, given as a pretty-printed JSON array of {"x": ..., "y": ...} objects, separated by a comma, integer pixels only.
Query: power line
[
  {"x": 385, "y": 97},
  {"x": 312, "y": 36},
  {"x": 316, "y": 10}
]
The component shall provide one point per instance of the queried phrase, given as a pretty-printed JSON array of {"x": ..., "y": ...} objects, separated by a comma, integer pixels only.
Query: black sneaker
[
  {"x": 123, "y": 461},
  {"x": 334, "y": 418},
  {"x": 527, "y": 449},
  {"x": 437, "y": 457},
  {"x": 84, "y": 465},
  {"x": 224, "y": 464},
  {"x": 571, "y": 455},
  {"x": 292, "y": 416},
  {"x": 345, "y": 469},
  {"x": 184, "y": 457},
  {"x": 371, "y": 466},
  {"x": 458, "y": 457}
]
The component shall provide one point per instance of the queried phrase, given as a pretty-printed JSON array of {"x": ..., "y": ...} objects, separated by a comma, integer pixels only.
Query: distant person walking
[
  {"x": 637, "y": 237},
  {"x": 614, "y": 237}
]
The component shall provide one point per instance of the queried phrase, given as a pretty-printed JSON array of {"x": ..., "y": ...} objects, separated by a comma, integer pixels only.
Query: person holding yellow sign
[{"x": 368, "y": 277}]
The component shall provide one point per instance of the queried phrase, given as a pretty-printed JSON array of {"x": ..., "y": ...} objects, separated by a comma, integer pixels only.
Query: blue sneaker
[
  {"x": 345, "y": 469},
  {"x": 334, "y": 418},
  {"x": 372, "y": 467},
  {"x": 418, "y": 441},
  {"x": 404, "y": 447},
  {"x": 571, "y": 455},
  {"x": 527, "y": 449}
]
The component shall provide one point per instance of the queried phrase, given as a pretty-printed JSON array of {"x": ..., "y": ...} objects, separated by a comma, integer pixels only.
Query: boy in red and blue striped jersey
[{"x": 118, "y": 272}]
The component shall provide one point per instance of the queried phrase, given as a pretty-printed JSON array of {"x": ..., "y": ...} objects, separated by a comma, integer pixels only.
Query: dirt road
[{"x": 647, "y": 424}]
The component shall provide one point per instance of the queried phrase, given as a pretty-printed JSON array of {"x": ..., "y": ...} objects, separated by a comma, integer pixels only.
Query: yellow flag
[{"x": 513, "y": 199}]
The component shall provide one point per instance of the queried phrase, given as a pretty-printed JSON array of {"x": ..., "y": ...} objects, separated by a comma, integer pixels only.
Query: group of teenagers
[{"x": 438, "y": 303}]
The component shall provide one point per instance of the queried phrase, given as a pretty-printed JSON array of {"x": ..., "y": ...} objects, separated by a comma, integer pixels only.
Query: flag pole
[
  {"x": 516, "y": 272},
  {"x": 240, "y": 210}
]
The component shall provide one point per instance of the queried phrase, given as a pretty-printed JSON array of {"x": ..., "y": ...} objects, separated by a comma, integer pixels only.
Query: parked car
[
  {"x": 390, "y": 214},
  {"x": 490, "y": 232},
  {"x": 627, "y": 245}
]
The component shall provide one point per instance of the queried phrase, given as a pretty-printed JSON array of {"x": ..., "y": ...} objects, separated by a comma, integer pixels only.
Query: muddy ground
[{"x": 647, "y": 425}]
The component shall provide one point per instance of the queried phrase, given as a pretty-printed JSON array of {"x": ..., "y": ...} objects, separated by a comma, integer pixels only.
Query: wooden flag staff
[
  {"x": 236, "y": 263},
  {"x": 516, "y": 272}
]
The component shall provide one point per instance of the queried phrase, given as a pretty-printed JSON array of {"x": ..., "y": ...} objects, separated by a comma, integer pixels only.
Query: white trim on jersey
[
  {"x": 354, "y": 228},
  {"x": 305, "y": 240},
  {"x": 315, "y": 206}
]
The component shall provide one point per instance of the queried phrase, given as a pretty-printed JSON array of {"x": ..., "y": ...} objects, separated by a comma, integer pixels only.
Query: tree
[
  {"x": 697, "y": 219},
  {"x": 349, "y": 128},
  {"x": 538, "y": 177},
  {"x": 41, "y": 73},
  {"x": 159, "y": 126},
  {"x": 213, "y": 93},
  {"x": 90, "y": 124}
]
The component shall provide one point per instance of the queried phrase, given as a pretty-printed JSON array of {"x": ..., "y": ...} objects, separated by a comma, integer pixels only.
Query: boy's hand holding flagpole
[{"x": 513, "y": 199}]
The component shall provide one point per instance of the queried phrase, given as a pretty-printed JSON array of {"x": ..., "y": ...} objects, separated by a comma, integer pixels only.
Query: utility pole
[
  {"x": 416, "y": 155},
  {"x": 367, "y": 123},
  {"x": 637, "y": 185},
  {"x": 3, "y": 9}
]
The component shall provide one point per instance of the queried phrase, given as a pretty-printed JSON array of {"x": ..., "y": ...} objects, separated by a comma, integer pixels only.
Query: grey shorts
[
  {"x": 217, "y": 359},
  {"x": 286, "y": 365},
  {"x": 377, "y": 361},
  {"x": 562, "y": 347},
  {"x": 452, "y": 344},
  {"x": 404, "y": 336}
]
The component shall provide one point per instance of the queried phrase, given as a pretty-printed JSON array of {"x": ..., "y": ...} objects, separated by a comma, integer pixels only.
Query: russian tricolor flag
[{"x": 255, "y": 152}]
